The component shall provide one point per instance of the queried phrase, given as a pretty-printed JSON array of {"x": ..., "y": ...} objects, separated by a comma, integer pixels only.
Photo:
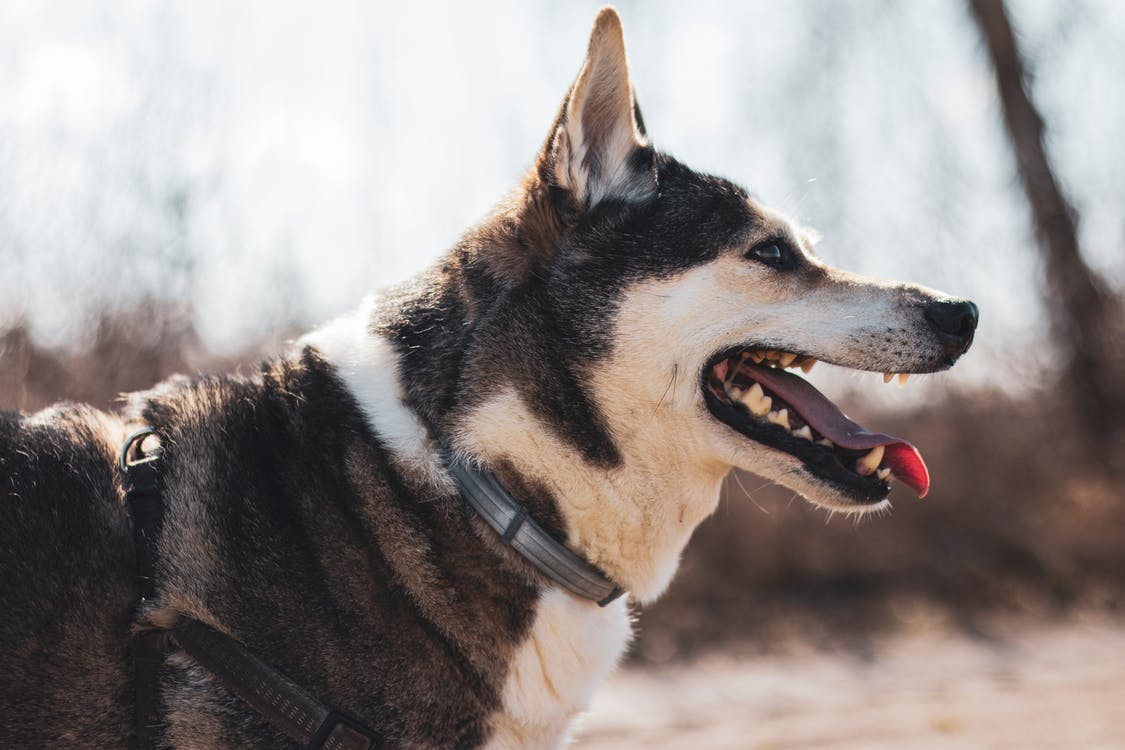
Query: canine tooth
[
  {"x": 870, "y": 462},
  {"x": 825, "y": 442},
  {"x": 786, "y": 358},
  {"x": 883, "y": 473},
  {"x": 757, "y": 357},
  {"x": 805, "y": 432},
  {"x": 888, "y": 377},
  {"x": 902, "y": 378},
  {"x": 734, "y": 392},
  {"x": 807, "y": 364},
  {"x": 781, "y": 418}
]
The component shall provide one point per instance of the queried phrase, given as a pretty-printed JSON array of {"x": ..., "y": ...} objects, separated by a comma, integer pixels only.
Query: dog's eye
[{"x": 773, "y": 255}]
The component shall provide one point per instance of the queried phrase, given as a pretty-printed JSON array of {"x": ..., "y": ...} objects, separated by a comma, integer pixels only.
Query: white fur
[
  {"x": 368, "y": 365},
  {"x": 572, "y": 647}
]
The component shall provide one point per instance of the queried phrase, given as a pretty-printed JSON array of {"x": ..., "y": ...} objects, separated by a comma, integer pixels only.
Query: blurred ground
[{"x": 1025, "y": 686}]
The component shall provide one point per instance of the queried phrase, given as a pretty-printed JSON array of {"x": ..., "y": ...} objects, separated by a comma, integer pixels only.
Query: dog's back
[{"x": 66, "y": 582}]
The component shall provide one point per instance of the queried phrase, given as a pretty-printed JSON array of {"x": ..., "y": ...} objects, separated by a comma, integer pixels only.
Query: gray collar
[{"x": 520, "y": 532}]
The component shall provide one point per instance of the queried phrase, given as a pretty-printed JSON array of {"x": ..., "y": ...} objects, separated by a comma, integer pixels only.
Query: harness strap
[
  {"x": 279, "y": 700},
  {"x": 141, "y": 479},
  {"x": 142, "y": 496},
  {"x": 283, "y": 703},
  {"x": 148, "y": 650}
]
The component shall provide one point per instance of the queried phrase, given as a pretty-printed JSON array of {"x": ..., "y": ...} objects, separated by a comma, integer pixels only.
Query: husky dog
[{"x": 614, "y": 339}]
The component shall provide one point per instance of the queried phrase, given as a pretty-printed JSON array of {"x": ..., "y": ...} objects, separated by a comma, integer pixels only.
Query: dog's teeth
[
  {"x": 825, "y": 442},
  {"x": 805, "y": 432},
  {"x": 757, "y": 357},
  {"x": 883, "y": 473},
  {"x": 786, "y": 358},
  {"x": 756, "y": 401},
  {"x": 870, "y": 462},
  {"x": 734, "y": 392},
  {"x": 902, "y": 378},
  {"x": 763, "y": 407},
  {"x": 781, "y": 418},
  {"x": 808, "y": 364},
  {"x": 888, "y": 377}
]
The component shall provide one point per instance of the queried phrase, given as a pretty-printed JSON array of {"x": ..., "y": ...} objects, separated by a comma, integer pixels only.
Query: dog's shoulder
[{"x": 292, "y": 523}]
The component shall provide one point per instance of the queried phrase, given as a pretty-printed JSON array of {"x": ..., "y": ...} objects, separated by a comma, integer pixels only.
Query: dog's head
[{"x": 662, "y": 307}]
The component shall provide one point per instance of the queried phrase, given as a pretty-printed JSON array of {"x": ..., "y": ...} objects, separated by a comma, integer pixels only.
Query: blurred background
[{"x": 185, "y": 185}]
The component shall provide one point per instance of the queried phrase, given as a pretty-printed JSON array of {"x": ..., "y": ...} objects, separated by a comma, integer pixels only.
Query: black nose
[{"x": 954, "y": 321}]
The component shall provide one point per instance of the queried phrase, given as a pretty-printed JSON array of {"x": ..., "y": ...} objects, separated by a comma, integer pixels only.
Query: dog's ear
[{"x": 598, "y": 149}]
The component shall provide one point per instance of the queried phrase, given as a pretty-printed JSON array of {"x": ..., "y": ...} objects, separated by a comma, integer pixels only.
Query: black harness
[{"x": 284, "y": 704}]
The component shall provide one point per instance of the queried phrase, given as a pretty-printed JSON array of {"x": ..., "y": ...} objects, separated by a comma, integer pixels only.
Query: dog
[{"x": 618, "y": 335}]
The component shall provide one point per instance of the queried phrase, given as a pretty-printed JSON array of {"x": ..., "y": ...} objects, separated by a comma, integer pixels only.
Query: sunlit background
[
  {"x": 270, "y": 163},
  {"x": 248, "y": 170}
]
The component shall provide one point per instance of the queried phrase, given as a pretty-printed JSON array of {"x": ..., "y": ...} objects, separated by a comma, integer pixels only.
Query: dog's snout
[{"x": 955, "y": 321}]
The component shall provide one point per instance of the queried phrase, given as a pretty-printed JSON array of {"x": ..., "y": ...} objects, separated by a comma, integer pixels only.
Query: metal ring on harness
[{"x": 136, "y": 439}]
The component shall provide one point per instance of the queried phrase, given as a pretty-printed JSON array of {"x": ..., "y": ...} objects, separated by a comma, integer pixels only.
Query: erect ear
[{"x": 598, "y": 149}]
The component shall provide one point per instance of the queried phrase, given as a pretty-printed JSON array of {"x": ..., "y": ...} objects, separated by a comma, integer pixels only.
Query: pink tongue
[{"x": 902, "y": 458}]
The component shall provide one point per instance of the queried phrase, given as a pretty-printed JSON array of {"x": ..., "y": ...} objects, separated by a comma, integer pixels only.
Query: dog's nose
[{"x": 955, "y": 321}]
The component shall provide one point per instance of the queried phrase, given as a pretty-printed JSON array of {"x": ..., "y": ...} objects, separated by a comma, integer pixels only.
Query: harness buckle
[{"x": 134, "y": 445}]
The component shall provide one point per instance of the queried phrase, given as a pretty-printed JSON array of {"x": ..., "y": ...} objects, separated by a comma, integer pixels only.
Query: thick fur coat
[{"x": 574, "y": 343}]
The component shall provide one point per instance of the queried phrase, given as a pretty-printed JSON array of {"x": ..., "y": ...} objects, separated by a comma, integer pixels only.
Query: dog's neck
[{"x": 632, "y": 520}]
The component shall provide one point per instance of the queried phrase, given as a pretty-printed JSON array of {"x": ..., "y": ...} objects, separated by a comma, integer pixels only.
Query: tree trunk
[{"x": 1086, "y": 315}]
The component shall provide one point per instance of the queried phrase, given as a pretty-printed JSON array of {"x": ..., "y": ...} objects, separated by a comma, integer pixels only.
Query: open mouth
[{"x": 751, "y": 391}]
